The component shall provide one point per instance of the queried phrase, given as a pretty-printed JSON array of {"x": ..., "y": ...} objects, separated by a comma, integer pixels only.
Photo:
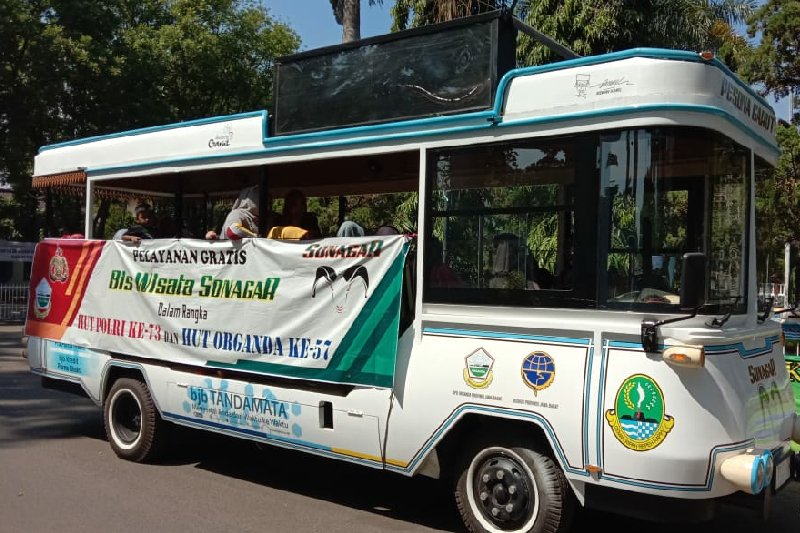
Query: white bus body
[{"x": 528, "y": 404}]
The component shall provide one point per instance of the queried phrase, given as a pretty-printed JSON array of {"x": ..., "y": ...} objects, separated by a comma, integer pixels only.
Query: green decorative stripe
[{"x": 367, "y": 353}]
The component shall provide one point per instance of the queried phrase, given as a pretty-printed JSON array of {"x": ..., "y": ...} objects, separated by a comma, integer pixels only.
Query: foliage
[
  {"x": 778, "y": 204},
  {"x": 591, "y": 28},
  {"x": 413, "y": 13},
  {"x": 775, "y": 62},
  {"x": 76, "y": 68}
]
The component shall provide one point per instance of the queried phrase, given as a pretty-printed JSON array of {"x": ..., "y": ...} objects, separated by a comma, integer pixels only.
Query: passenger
[
  {"x": 242, "y": 221},
  {"x": 387, "y": 230},
  {"x": 295, "y": 214},
  {"x": 350, "y": 229},
  {"x": 288, "y": 233},
  {"x": 442, "y": 275},
  {"x": 144, "y": 227}
]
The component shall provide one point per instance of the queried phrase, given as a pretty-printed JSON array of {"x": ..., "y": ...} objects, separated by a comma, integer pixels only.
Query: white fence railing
[
  {"x": 776, "y": 291},
  {"x": 13, "y": 302}
]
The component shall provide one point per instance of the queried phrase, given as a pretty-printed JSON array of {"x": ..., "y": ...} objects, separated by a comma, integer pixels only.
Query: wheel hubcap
[
  {"x": 127, "y": 418},
  {"x": 502, "y": 492}
]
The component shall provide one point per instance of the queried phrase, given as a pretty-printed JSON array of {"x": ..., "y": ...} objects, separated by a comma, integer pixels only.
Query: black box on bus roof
[{"x": 441, "y": 69}]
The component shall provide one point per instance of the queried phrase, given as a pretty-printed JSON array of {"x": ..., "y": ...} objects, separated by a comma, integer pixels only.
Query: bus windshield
[{"x": 589, "y": 220}]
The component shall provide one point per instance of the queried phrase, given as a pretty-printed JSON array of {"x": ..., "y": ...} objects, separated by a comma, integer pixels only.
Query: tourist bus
[{"x": 571, "y": 323}]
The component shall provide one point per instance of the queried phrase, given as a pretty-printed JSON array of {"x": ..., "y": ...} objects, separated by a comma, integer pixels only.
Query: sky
[{"x": 314, "y": 22}]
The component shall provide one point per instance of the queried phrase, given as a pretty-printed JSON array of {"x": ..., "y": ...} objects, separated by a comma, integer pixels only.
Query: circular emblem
[
  {"x": 638, "y": 419},
  {"x": 59, "y": 269},
  {"x": 538, "y": 371},
  {"x": 43, "y": 296}
]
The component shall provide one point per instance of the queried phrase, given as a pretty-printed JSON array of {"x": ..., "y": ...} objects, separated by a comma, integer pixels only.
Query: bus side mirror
[{"x": 693, "y": 280}]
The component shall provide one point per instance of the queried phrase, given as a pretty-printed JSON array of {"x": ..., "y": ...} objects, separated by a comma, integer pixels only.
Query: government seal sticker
[
  {"x": 538, "y": 371},
  {"x": 638, "y": 418},
  {"x": 478, "y": 370},
  {"x": 42, "y": 298},
  {"x": 59, "y": 268}
]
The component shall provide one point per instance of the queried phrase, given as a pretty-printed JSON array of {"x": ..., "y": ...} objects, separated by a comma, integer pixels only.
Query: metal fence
[{"x": 13, "y": 302}]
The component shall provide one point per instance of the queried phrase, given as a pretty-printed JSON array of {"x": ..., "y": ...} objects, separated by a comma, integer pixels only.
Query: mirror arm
[
  {"x": 649, "y": 337},
  {"x": 791, "y": 310},
  {"x": 768, "y": 311}
]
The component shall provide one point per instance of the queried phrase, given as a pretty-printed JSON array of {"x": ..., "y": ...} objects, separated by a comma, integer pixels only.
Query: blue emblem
[{"x": 538, "y": 371}]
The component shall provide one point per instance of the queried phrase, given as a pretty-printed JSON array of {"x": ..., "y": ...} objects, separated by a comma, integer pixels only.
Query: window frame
[{"x": 584, "y": 211}]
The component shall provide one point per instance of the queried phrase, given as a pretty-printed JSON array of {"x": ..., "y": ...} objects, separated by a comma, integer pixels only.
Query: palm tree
[
  {"x": 348, "y": 16},
  {"x": 424, "y": 12}
]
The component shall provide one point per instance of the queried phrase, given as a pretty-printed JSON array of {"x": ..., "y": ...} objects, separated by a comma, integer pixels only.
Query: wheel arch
[
  {"x": 115, "y": 370},
  {"x": 473, "y": 427}
]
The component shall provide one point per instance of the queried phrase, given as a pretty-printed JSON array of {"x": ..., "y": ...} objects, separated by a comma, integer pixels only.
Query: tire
[
  {"x": 512, "y": 489},
  {"x": 133, "y": 426}
]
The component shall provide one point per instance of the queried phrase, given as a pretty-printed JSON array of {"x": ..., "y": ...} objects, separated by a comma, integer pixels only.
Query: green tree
[
  {"x": 591, "y": 28},
  {"x": 775, "y": 61},
  {"x": 413, "y": 13},
  {"x": 74, "y": 68}
]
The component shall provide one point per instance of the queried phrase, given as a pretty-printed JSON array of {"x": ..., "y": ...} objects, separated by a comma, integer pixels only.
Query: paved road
[{"x": 58, "y": 473}]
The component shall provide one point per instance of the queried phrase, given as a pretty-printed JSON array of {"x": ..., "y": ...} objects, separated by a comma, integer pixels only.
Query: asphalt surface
[{"x": 58, "y": 473}]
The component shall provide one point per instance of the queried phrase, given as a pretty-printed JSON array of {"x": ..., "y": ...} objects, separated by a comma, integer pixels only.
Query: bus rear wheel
[
  {"x": 133, "y": 426},
  {"x": 512, "y": 489}
]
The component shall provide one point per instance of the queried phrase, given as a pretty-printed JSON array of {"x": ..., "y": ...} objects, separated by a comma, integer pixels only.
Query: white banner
[{"x": 325, "y": 310}]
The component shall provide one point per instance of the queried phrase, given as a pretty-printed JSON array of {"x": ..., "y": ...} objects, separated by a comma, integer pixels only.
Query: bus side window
[{"x": 502, "y": 218}]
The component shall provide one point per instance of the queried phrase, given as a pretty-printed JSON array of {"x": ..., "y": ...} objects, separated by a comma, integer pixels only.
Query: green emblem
[
  {"x": 638, "y": 419},
  {"x": 478, "y": 370}
]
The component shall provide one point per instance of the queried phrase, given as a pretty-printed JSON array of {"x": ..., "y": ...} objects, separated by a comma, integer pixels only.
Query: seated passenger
[
  {"x": 295, "y": 213},
  {"x": 442, "y": 275},
  {"x": 350, "y": 229},
  {"x": 288, "y": 233},
  {"x": 144, "y": 227},
  {"x": 242, "y": 221},
  {"x": 387, "y": 230}
]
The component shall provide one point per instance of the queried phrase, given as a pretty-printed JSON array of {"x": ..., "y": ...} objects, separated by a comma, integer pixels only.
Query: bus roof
[{"x": 633, "y": 88}]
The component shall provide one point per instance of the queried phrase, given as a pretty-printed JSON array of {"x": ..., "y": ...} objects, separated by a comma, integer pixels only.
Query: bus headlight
[
  {"x": 685, "y": 356},
  {"x": 749, "y": 472}
]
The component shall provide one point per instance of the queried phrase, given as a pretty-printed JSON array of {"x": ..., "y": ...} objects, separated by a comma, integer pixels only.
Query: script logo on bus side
[
  {"x": 761, "y": 372},
  {"x": 223, "y": 139},
  {"x": 638, "y": 418},
  {"x": 749, "y": 106}
]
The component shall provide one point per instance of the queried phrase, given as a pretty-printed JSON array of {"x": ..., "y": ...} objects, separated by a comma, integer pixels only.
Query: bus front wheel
[
  {"x": 133, "y": 425},
  {"x": 512, "y": 489}
]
